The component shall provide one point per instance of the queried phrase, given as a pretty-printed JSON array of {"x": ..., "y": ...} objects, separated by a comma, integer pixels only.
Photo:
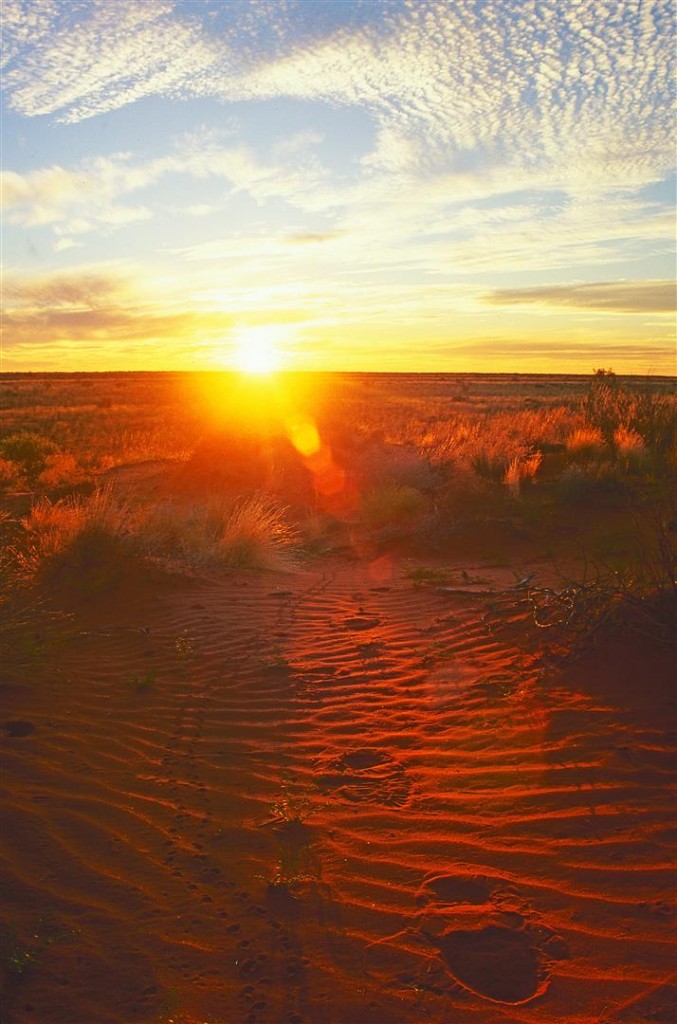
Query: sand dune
[{"x": 329, "y": 796}]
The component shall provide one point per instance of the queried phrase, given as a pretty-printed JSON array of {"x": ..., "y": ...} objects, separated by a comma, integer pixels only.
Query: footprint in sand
[
  {"x": 17, "y": 729},
  {"x": 497, "y": 963},
  {"x": 450, "y": 889},
  {"x": 505, "y": 963},
  {"x": 361, "y": 621},
  {"x": 365, "y": 774}
]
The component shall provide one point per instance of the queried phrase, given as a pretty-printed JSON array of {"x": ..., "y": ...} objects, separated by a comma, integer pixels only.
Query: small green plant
[
  {"x": 143, "y": 683},
  {"x": 290, "y": 806},
  {"x": 420, "y": 574},
  {"x": 296, "y": 860},
  {"x": 20, "y": 954},
  {"x": 168, "y": 1006},
  {"x": 275, "y": 662},
  {"x": 391, "y": 504},
  {"x": 184, "y": 645}
]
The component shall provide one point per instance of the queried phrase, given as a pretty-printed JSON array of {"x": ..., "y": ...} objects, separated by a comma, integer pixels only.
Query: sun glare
[{"x": 257, "y": 349}]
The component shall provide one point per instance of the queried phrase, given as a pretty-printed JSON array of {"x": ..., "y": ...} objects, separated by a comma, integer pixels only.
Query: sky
[{"x": 414, "y": 185}]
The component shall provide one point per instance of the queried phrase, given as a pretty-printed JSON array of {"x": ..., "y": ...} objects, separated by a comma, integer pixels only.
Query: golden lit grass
[
  {"x": 61, "y": 470},
  {"x": 88, "y": 538},
  {"x": 452, "y": 448},
  {"x": 491, "y": 444},
  {"x": 585, "y": 443},
  {"x": 253, "y": 532},
  {"x": 630, "y": 449},
  {"x": 257, "y": 535},
  {"x": 93, "y": 540},
  {"x": 484, "y": 423},
  {"x": 521, "y": 469}
]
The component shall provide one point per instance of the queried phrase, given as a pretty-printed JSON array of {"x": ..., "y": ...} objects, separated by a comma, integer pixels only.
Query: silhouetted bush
[{"x": 28, "y": 451}]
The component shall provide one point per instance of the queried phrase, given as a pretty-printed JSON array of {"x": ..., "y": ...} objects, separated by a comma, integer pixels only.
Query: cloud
[
  {"x": 580, "y": 88},
  {"x": 88, "y": 193},
  {"x": 312, "y": 237},
  {"x": 106, "y": 307},
  {"x": 89, "y": 289},
  {"x": 99, "y": 326},
  {"x": 62, "y": 244},
  {"x": 85, "y": 195},
  {"x": 605, "y": 296},
  {"x": 100, "y": 56}
]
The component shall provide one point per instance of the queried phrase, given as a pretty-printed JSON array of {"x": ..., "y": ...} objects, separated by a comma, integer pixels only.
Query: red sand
[{"x": 330, "y": 797}]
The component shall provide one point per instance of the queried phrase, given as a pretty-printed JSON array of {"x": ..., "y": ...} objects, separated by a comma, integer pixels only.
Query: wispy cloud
[
  {"x": 88, "y": 194},
  {"x": 108, "y": 306},
  {"x": 84, "y": 289},
  {"x": 607, "y": 296}
]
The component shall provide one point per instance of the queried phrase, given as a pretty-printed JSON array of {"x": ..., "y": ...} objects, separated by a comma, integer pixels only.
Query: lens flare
[{"x": 304, "y": 436}]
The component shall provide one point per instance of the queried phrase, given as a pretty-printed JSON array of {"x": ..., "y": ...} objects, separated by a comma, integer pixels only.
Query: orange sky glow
[{"x": 409, "y": 186}]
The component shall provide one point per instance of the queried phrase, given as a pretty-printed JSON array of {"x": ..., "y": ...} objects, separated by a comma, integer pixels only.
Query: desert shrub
[
  {"x": 184, "y": 531},
  {"x": 615, "y": 412},
  {"x": 403, "y": 465},
  {"x": 654, "y": 419},
  {"x": 466, "y": 496},
  {"x": 606, "y": 406},
  {"x": 29, "y": 451},
  {"x": 491, "y": 463},
  {"x": 10, "y": 474},
  {"x": 391, "y": 504},
  {"x": 61, "y": 470},
  {"x": 593, "y": 483}
]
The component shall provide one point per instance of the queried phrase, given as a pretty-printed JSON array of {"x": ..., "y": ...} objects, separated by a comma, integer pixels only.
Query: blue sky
[{"x": 476, "y": 185}]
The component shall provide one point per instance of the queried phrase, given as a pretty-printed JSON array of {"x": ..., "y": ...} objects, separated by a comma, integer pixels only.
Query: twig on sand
[{"x": 111, "y": 630}]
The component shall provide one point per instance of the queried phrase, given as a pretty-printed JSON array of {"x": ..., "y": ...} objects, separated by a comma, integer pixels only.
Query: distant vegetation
[{"x": 416, "y": 459}]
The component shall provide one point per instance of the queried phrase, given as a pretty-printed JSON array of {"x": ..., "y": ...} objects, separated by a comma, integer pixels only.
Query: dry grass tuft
[
  {"x": 521, "y": 469},
  {"x": 251, "y": 533},
  {"x": 257, "y": 535},
  {"x": 391, "y": 503},
  {"x": 87, "y": 538},
  {"x": 585, "y": 443},
  {"x": 630, "y": 449}
]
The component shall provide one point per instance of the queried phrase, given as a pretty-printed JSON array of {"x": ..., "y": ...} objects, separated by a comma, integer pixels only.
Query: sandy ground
[{"x": 331, "y": 797}]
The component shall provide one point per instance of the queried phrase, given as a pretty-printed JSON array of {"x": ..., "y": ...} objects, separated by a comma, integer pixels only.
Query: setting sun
[{"x": 257, "y": 349}]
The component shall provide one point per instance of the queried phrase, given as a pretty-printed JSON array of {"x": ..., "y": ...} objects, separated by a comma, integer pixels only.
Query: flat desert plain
[{"x": 360, "y": 716}]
